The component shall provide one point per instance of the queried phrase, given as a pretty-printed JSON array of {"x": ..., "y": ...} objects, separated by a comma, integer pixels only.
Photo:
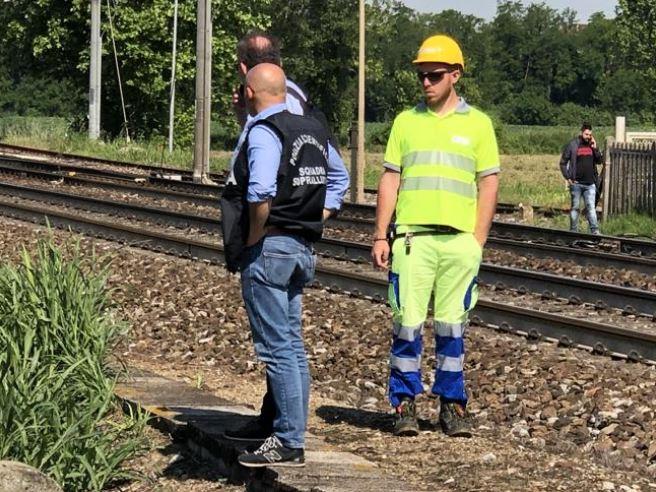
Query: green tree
[
  {"x": 636, "y": 36},
  {"x": 50, "y": 39},
  {"x": 320, "y": 51}
]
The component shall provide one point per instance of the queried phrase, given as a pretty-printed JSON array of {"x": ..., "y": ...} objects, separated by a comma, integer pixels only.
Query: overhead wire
[{"x": 118, "y": 71}]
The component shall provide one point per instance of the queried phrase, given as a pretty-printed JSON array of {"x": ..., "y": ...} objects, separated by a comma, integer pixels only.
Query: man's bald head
[{"x": 266, "y": 86}]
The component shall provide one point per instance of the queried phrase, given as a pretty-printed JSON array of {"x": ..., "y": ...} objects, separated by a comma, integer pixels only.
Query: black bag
[{"x": 234, "y": 226}]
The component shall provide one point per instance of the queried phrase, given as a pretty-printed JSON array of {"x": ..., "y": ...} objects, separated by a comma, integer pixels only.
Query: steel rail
[
  {"x": 120, "y": 186},
  {"x": 111, "y": 207},
  {"x": 630, "y": 300},
  {"x": 31, "y": 164},
  {"x": 556, "y": 236},
  {"x": 365, "y": 224},
  {"x": 155, "y": 170},
  {"x": 28, "y": 165},
  {"x": 606, "y": 339},
  {"x": 578, "y": 255},
  {"x": 634, "y": 247},
  {"x": 17, "y": 150},
  {"x": 602, "y": 338}
]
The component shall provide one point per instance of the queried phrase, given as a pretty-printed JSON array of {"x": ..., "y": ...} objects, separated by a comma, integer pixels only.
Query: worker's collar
[
  {"x": 461, "y": 108},
  {"x": 271, "y": 110}
]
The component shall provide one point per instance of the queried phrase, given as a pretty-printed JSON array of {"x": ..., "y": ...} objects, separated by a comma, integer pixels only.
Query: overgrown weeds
[{"x": 57, "y": 408}]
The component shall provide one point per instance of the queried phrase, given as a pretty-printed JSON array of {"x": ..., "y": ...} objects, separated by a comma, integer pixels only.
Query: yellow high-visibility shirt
[{"x": 440, "y": 159}]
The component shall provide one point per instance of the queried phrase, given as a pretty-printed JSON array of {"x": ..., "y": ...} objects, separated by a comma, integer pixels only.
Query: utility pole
[
  {"x": 357, "y": 174},
  {"x": 95, "y": 72},
  {"x": 203, "y": 91},
  {"x": 173, "y": 61}
]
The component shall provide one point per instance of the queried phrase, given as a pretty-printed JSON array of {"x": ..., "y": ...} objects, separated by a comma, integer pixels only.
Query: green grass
[
  {"x": 633, "y": 224},
  {"x": 641, "y": 225},
  {"x": 53, "y": 134},
  {"x": 57, "y": 408}
]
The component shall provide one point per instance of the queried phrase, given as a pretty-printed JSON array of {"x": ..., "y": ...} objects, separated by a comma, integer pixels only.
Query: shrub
[{"x": 57, "y": 409}]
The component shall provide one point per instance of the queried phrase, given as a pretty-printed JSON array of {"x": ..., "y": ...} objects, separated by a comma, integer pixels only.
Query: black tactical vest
[{"x": 301, "y": 185}]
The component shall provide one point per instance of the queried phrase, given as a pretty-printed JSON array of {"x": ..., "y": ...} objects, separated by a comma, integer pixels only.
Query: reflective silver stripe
[
  {"x": 487, "y": 172},
  {"x": 438, "y": 157},
  {"x": 438, "y": 183},
  {"x": 408, "y": 333},
  {"x": 391, "y": 167},
  {"x": 405, "y": 365},
  {"x": 450, "y": 364},
  {"x": 454, "y": 330}
]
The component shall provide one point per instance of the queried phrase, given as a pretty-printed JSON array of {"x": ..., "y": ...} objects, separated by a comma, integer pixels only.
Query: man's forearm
[
  {"x": 487, "y": 204},
  {"x": 388, "y": 190},
  {"x": 258, "y": 214}
]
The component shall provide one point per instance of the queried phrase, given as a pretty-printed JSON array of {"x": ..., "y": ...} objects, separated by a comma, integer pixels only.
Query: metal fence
[{"x": 630, "y": 182}]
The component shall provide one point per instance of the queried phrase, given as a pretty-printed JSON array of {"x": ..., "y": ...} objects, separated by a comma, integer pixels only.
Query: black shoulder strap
[{"x": 302, "y": 98}]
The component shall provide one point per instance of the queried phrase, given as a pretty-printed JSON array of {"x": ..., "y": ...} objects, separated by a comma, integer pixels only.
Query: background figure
[
  {"x": 441, "y": 167},
  {"x": 578, "y": 165}
]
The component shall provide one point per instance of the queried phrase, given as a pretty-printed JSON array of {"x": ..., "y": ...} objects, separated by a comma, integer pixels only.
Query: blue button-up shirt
[{"x": 264, "y": 153}]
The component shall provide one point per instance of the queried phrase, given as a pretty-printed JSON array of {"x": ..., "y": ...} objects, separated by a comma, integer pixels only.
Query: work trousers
[{"x": 445, "y": 265}]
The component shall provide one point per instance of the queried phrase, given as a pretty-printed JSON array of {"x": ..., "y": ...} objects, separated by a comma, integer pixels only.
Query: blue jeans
[
  {"x": 274, "y": 272},
  {"x": 588, "y": 192}
]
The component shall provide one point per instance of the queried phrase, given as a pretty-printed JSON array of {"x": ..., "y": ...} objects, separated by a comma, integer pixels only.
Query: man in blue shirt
[
  {"x": 259, "y": 47},
  {"x": 254, "y": 49},
  {"x": 282, "y": 176}
]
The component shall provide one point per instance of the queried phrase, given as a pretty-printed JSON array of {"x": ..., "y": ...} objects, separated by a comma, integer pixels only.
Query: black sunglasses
[{"x": 433, "y": 77}]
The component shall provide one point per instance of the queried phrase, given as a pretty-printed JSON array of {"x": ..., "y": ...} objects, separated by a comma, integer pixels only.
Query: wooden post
[
  {"x": 203, "y": 92},
  {"x": 620, "y": 129},
  {"x": 95, "y": 72},
  {"x": 357, "y": 180},
  {"x": 606, "y": 173},
  {"x": 353, "y": 147}
]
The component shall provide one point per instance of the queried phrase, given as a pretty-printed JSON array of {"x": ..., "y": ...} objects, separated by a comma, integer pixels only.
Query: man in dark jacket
[{"x": 578, "y": 166}]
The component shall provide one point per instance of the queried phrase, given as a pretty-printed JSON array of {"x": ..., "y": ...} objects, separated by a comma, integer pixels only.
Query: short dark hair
[
  {"x": 586, "y": 126},
  {"x": 258, "y": 47}
]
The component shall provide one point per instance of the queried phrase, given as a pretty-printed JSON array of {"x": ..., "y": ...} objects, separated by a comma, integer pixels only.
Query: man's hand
[
  {"x": 239, "y": 105},
  {"x": 388, "y": 189},
  {"x": 380, "y": 254},
  {"x": 593, "y": 142},
  {"x": 487, "y": 204},
  {"x": 258, "y": 214},
  {"x": 327, "y": 214}
]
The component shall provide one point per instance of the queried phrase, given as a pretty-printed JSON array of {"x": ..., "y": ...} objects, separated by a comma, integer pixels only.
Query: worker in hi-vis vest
[{"x": 441, "y": 180}]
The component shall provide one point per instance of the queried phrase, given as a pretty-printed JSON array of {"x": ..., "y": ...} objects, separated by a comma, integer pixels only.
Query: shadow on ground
[{"x": 367, "y": 419}]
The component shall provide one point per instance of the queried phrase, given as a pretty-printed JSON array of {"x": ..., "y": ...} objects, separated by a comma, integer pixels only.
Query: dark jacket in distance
[{"x": 569, "y": 157}]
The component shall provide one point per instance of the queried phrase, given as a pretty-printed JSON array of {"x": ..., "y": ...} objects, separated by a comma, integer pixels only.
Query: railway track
[
  {"x": 602, "y": 338},
  {"x": 357, "y": 217},
  {"x": 18, "y": 151},
  {"x": 340, "y": 249}
]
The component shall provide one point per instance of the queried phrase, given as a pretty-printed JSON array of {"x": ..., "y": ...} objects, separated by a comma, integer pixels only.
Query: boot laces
[{"x": 270, "y": 443}]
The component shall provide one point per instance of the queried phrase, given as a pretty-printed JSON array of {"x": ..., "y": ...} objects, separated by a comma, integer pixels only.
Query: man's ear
[
  {"x": 243, "y": 68},
  {"x": 249, "y": 92}
]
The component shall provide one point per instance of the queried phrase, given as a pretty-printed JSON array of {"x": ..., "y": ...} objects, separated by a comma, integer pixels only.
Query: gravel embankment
[{"x": 548, "y": 418}]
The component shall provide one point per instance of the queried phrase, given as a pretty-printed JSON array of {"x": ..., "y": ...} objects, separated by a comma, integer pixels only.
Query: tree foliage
[{"x": 529, "y": 64}]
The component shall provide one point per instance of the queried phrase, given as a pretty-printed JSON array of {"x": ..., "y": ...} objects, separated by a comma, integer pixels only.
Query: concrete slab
[{"x": 201, "y": 418}]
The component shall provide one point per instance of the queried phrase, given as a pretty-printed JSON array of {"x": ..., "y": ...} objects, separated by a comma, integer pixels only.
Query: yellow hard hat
[{"x": 440, "y": 49}]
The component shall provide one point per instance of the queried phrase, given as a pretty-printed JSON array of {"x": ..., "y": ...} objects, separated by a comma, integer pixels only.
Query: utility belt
[{"x": 433, "y": 230}]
